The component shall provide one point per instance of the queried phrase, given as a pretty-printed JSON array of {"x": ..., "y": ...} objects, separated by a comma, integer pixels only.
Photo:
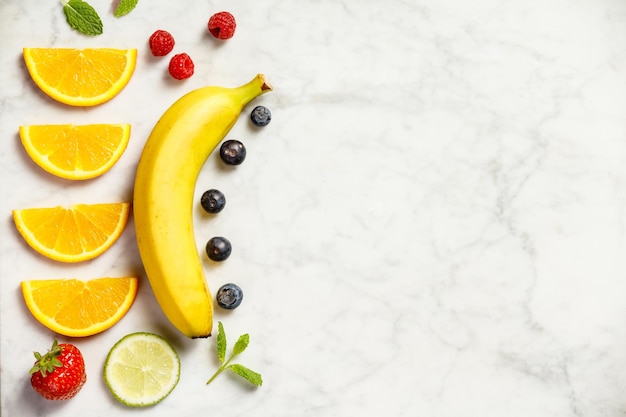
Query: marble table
[{"x": 434, "y": 223}]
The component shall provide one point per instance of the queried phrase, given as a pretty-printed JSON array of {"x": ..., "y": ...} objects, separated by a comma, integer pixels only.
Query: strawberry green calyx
[{"x": 49, "y": 362}]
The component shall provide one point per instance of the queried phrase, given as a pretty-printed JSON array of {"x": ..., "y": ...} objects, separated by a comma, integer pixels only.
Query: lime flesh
[{"x": 141, "y": 369}]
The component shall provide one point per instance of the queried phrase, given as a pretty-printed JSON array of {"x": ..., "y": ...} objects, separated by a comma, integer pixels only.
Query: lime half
[{"x": 141, "y": 369}]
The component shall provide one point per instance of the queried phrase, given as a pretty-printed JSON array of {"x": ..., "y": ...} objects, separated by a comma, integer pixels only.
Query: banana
[{"x": 177, "y": 148}]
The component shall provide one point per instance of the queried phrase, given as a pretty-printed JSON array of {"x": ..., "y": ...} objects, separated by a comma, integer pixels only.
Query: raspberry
[
  {"x": 161, "y": 43},
  {"x": 181, "y": 66},
  {"x": 222, "y": 25}
]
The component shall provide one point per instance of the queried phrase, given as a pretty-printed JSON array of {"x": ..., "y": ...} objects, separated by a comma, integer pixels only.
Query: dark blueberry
[
  {"x": 229, "y": 296},
  {"x": 232, "y": 152},
  {"x": 213, "y": 201},
  {"x": 261, "y": 116},
  {"x": 218, "y": 248}
]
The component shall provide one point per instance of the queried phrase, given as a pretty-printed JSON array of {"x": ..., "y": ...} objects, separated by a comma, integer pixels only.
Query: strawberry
[{"x": 60, "y": 373}]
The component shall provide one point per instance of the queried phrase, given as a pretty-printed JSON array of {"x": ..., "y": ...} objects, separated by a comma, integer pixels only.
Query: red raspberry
[
  {"x": 222, "y": 25},
  {"x": 181, "y": 66},
  {"x": 161, "y": 43}
]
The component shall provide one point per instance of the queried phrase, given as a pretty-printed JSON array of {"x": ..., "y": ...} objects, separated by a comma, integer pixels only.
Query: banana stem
[{"x": 254, "y": 88}]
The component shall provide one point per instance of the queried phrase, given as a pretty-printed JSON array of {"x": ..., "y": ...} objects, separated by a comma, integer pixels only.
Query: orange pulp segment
[
  {"x": 78, "y": 308},
  {"x": 75, "y": 152},
  {"x": 80, "y": 77},
  {"x": 73, "y": 234}
]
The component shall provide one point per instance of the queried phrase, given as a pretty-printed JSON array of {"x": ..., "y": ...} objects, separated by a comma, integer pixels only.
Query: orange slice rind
[
  {"x": 75, "y": 152},
  {"x": 81, "y": 77},
  {"x": 72, "y": 234},
  {"x": 78, "y": 308}
]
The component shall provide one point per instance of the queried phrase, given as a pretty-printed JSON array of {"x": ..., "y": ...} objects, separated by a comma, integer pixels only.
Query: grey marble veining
[{"x": 433, "y": 224}]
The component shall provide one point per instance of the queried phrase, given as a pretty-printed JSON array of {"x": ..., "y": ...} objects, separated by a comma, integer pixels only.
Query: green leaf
[
  {"x": 82, "y": 17},
  {"x": 35, "y": 368},
  {"x": 242, "y": 344},
  {"x": 253, "y": 377},
  {"x": 221, "y": 342},
  {"x": 124, "y": 7}
]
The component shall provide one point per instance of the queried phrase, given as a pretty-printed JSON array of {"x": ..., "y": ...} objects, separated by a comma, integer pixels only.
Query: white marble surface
[{"x": 434, "y": 223}]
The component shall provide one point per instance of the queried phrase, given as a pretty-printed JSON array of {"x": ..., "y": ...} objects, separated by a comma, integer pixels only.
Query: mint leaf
[
  {"x": 82, "y": 17},
  {"x": 253, "y": 377},
  {"x": 241, "y": 345},
  {"x": 221, "y": 342},
  {"x": 124, "y": 7}
]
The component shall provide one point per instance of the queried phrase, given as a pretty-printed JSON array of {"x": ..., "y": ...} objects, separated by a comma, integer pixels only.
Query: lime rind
[{"x": 141, "y": 369}]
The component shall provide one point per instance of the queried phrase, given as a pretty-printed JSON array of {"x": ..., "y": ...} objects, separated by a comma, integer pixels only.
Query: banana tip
[
  {"x": 205, "y": 336},
  {"x": 266, "y": 85}
]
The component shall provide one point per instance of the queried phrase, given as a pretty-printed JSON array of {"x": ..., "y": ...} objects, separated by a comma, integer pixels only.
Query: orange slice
[
  {"x": 75, "y": 152},
  {"x": 74, "y": 234},
  {"x": 80, "y": 77},
  {"x": 78, "y": 308}
]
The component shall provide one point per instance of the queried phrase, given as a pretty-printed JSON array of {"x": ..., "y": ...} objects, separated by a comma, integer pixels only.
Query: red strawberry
[{"x": 60, "y": 373}]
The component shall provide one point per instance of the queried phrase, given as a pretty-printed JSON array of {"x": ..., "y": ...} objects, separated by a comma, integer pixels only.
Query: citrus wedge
[
  {"x": 141, "y": 369},
  {"x": 77, "y": 308},
  {"x": 73, "y": 234},
  {"x": 80, "y": 77},
  {"x": 75, "y": 152}
]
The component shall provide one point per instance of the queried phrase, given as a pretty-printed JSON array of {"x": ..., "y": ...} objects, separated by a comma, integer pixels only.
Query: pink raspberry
[
  {"x": 222, "y": 25},
  {"x": 161, "y": 43},
  {"x": 181, "y": 66}
]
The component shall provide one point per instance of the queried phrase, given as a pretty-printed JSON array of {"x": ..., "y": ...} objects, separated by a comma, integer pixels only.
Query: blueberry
[
  {"x": 218, "y": 248},
  {"x": 261, "y": 116},
  {"x": 213, "y": 201},
  {"x": 232, "y": 152},
  {"x": 229, "y": 296}
]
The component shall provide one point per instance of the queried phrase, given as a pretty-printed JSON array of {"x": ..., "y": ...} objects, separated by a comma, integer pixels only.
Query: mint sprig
[
  {"x": 82, "y": 17},
  {"x": 124, "y": 7},
  {"x": 241, "y": 345}
]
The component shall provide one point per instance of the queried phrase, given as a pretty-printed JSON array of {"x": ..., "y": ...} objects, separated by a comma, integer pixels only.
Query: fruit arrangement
[{"x": 142, "y": 368}]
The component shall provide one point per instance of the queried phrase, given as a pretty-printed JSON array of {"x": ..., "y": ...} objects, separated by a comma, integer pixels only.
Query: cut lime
[{"x": 141, "y": 369}]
